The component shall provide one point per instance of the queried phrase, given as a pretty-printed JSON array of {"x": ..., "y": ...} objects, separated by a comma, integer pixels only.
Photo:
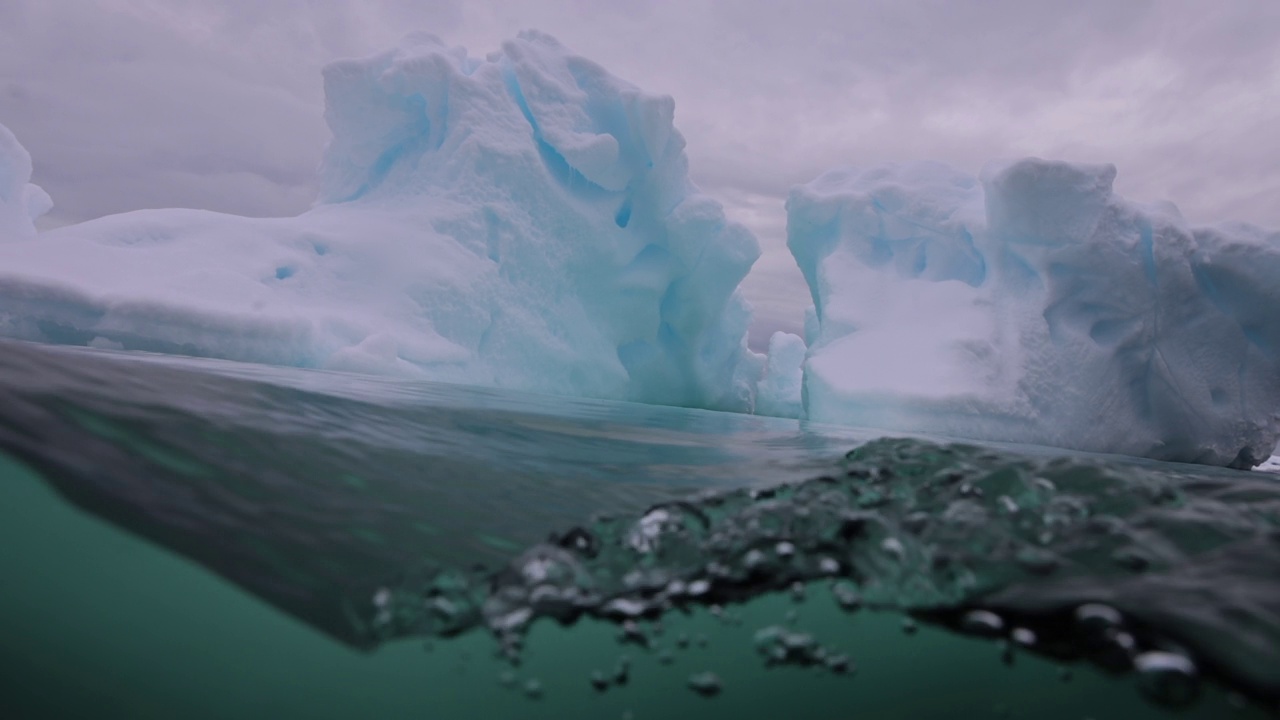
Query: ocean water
[{"x": 197, "y": 539}]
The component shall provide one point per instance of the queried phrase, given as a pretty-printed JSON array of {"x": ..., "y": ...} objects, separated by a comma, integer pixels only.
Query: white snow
[
  {"x": 523, "y": 221},
  {"x": 1036, "y": 306}
]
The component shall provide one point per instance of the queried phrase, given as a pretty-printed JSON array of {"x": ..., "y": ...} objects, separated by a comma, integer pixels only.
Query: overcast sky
[{"x": 128, "y": 104}]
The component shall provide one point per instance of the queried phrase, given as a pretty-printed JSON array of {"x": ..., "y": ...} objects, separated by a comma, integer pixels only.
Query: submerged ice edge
[{"x": 1066, "y": 557}]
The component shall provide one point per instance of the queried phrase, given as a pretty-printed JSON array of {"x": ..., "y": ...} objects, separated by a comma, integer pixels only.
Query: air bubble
[
  {"x": 622, "y": 671},
  {"x": 1101, "y": 628},
  {"x": 632, "y": 634},
  {"x": 1167, "y": 678},
  {"x": 1123, "y": 640},
  {"x": 580, "y": 541},
  {"x": 1097, "y": 617},
  {"x": 1114, "y": 650},
  {"x": 1006, "y": 652},
  {"x": 916, "y": 522},
  {"x": 846, "y": 596},
  {"x": 1023, "y": 637},
  {"x": 893, "y": 546},
  {"x": 982, "y": 622},
  {"x": 1131, "y": 559},
  {"x": 1044, "y": 485},
  {"x": 599, "y": 681},
  {"x": 797, "y": 591},
  {"x": 706, "y": 684},
  {"x": 1037, "y": 561},
  {"x": 665, "y": 525},
  {"x": 625, "y": 607},
  {"x": 755, "y": 561},
  {"x": 780, "y": 646},
  {"x": 839, "y": 664}
]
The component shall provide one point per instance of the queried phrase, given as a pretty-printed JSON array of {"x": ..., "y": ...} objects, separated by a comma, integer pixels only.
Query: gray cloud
[{"x": 127, "y": 104}]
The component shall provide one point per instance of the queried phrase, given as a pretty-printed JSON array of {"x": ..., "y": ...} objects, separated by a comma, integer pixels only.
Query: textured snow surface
[
  {"x": 524, "y": 221},
  {"x": 1034, "y": 305}
]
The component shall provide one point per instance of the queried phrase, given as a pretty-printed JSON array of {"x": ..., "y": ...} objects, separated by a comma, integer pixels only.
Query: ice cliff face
[
  {"x": 523, "y": 221},
  {"x": 1034, "y": 305}
]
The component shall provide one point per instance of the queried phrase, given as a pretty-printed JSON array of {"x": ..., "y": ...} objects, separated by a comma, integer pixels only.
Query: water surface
[{"x": 374, "y": 515}]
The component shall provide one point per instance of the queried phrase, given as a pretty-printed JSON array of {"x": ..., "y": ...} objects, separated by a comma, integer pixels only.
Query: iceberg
[
  {"x": 524, "y": 221},
  {"x": 20, "y": 201},
  {"x": 1034, "y": 305}
]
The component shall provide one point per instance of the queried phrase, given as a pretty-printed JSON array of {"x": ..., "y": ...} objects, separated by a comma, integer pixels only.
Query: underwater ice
[
  {"x": 1034, "y": 305},
  {"x": 523, "y": 221}
]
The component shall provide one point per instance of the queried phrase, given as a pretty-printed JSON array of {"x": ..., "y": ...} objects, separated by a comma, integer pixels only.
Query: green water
[
  {"x": 100, "y": 624},
  {"x": 196, "y": 539}
]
